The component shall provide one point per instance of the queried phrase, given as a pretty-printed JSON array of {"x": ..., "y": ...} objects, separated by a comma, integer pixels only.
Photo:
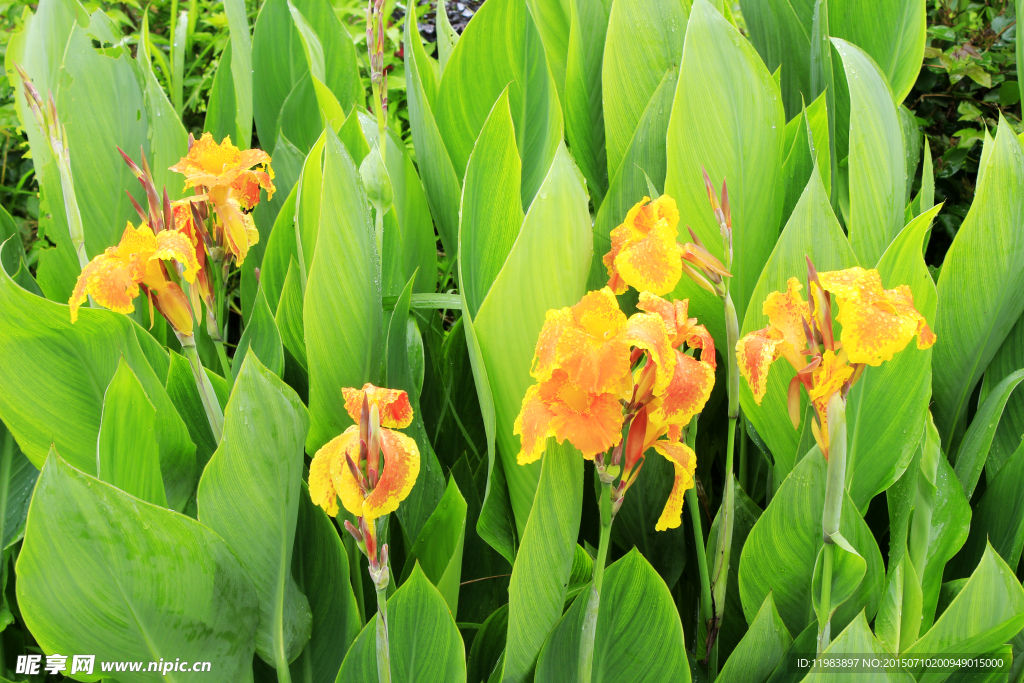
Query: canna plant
[{"x": 500, "y": 269}]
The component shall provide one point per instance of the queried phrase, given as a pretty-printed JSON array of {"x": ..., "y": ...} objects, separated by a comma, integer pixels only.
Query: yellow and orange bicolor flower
[
  {"x": 115, "y": 277},
  {"x": 877, "y": 323},
  {"x": 349, "y": 466},
  {"x": 224, "y": 176},
  {"x": 597, "y": 371},
  {"x": 646, "y": 256}
]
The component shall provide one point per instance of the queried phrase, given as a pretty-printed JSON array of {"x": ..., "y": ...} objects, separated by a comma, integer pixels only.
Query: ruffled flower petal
[
  {"x": 172, "y": 245},
  {"x": 827, "y": 379},
  {"x": 169, "y": 298},
  {"x": 687, "y": 393},
  {"x": 240, "y": 231},
  {"x": 109, "y": 280},
  {"x": 392, "y": 405},
  {"x": 532, "y": 426},
  {"x": 647, "y": 331},
  {"x": 401, "y": 468},
  {"x": 321, "y": 486},
  {"x": 788, "y": 313},
  {"x": 591, "y": 421},
  {"x": 343, "y": 484},
  {"x": 756, "y": 352},
  {"x": 545, "y": 356},
  {"x": 593, "y": 350},
  {"x": 644, "y": 252},
  {"x": 684, "y": 460}
]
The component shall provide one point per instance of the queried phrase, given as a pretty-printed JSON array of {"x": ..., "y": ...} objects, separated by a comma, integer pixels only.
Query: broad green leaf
[
  {"x": 289, "y": 318},
  {"x": 55, "y": 375},
  {"x": 762, "y": 29},
  {"x": 127, "y": 454},
  {"x": 877, "y": 165},
  {"x": 582, "y": 97},
  {"x": 735, "y": 139},
  {"x": 309, "y": 204},
  {"x": 300, "y": 122},
  {"x": 321, "y": 570},
  {"x": 540, "y": 575},
  {"x": 181, "y": 389},
  {"x": 221, "y": 120},
  {"x": 553, "y": 19},
  {"x": 634, "y": 69},
  {"x": 501, "y": 48},
  {"x": 249, "y": 495},
  {"x": 331, "y": 111},
  {"x": 1020, "y": 47},
  {"x": 425, "y": 643},
  {"x": 898, "y": 622},
  {"x": 892, "y": 32},
  {"x": 492, "y": 212},
  {"x": 998, "y": 517},
  {"x": 857, "y": 639},
  {"x": 638, "y": 634},
  {"x": 812, "y": 231},
  {"x": 780, "y": 552},
  {"x": 438, "y": 548},
  {"x": 446, "y": 36},
  {"x": 262, "y": 336},
  {"x": 442, "y": 183},
  {"x": 761, "y": 649},
  {"x": 911, "y": 146},
  {"x": 546, "y": 268},
  {"x": 278, "y": 63},
  {"x": 644, "y": 158},
  {"x": 848, "y": 573},
  {"x": 17, "y": 479},
  {"x": 241, "y": 69},
  {"x": 879, "y": 448},
  {"x": 805, "y": 147},
  {"x": 988, "y": 611},
  {"x": 95, "y": 127},
  {"x": 281, "y": 249},
  {"x": 1008, "y": 359},
  {"x": 83, "y": 541},
  {"x": 428, "y": 490},
  {"x": 732, "y": 628},
  {"x": 488, "y": 647},
  {"x": 12, "y": 248},
  {"x": 970, "y": 459},
  {"x": 342, "y": 307},
  {"x": 978, "y": 308},
  {"x": 788, "y": 22}
]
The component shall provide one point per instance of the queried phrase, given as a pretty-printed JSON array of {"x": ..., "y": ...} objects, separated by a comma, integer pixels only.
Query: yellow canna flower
[
  {"x": 349, "y": 466},
  {"x": 876, "y": 325},
  {"x": 644, "y": 252},
  {"x": 226, "y": 178},
  {"x": 114, "y": 278}
]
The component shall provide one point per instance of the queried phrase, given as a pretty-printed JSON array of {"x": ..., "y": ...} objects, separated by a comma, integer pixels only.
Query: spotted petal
[
  {"x": 647, "y": 331},
  {"x": 755, "y": 353},
  {"x": 687, "y": 393},
  {"x": 330, "y": 477},
  {"x": 684, "y": 460},
  {"x": 401, "y": 468},
  {"x": 173, "y": 245},
  {"x": 592, "y": 349},
  {"x": 392, "y": 405},
  {"x": 109, "y": 280},
  {"x": 788, "y": 313},
  {"x": 532, "y": 426}
]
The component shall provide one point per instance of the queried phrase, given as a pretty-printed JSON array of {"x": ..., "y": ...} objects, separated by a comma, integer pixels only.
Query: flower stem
[
  {"x": 586, "y": 662},
  {"x": 835, "y": 484},
  {"x": 222, "y": 355},
  {"x": 383, "y": 647},
  {"x": 698, "y": 538},
  {"x": 206, "y": 393}
]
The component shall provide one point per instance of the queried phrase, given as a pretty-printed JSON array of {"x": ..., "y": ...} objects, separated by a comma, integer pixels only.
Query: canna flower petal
[
  {"x": 592, "y": 348},
  {"x": 401, "y": 468},
  {"x": 827, "y": 379},
  {"x": 877, "y": 323},
  {"x": 345, "y": 485},
  {"x": 168, "y": 297},
  {"x": 684, "y": 460},
  {"x": 209, "y": 164},
  {"x": 172, "y": 245},
  {"x": 591, "y": 421},
  {"x": 788, "y": 313},
  {"x": 545, "y": 356},
  {"x": 756, "y": 352},
  {"x": 240, "y": 231},
  {"x": 647, "y": 331},
  {"x": 109, "y": 280},
  {"x": 533, "y": 426},
  {"x": 686, "y": 395},
  {"x": 644, "y": 252},
  {"x": 392, "y": 405},
  {"x": 321, "y": 485},
  {"x": 679, "y": 326}
]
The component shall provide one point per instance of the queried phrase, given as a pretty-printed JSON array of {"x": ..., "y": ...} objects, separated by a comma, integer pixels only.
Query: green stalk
[
  {"x": 744, "y": 465},
  {"x": 382, "y": 123},
  {"x": 383, "y": 647},
  {"x": 835, "y": 483},
  {"x": 698, "y": 538},
  {"x": 209, "y": 398},
  {"x": 586, "y": 661},
  {"x": 222, "y": 355},
  {"x": 720, "y": 575}
]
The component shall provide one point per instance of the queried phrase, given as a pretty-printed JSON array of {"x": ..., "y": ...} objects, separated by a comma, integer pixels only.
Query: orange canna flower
[
  {"x": 115, "y": 277},
  {"x": 349, "y": 466},
  {"x": 644, "y": 252},
  {"x": 226, "y": 178},
  {"x": 876, "y": 324}
]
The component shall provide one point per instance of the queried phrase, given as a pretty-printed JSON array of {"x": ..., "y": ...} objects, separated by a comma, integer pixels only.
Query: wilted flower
[
  {"x": 226, "y": 178},
  {"x": 876, "y": 324}
]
